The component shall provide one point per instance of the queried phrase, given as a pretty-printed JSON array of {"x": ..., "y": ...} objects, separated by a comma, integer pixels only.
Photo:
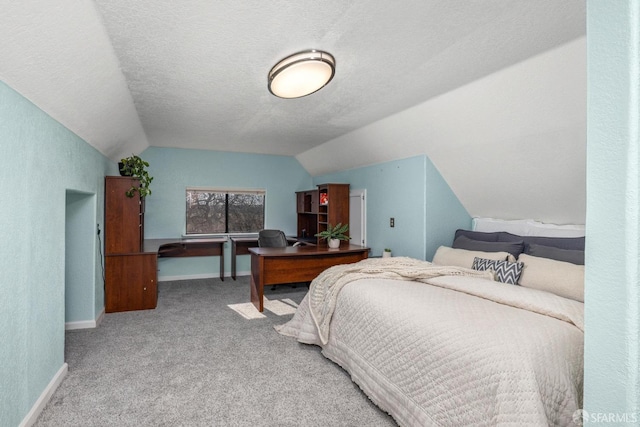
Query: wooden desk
[
  {"x": 272, "y": 266},
  {"x": 187, "y": 248},
  {"x": 241, "y": 245}
]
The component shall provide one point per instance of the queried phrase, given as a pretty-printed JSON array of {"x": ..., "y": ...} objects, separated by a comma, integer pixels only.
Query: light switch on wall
[{"x": 392, "y": 222}]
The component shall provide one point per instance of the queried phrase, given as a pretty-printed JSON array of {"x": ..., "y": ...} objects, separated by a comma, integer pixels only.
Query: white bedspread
[
  {"x": 458, "y": 351},
  {"x": 324, "y": 290}
]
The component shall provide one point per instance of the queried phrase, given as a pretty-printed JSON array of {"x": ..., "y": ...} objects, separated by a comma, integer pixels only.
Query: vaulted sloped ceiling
[
  {"x": 126, "y": 74},
  {"x": 511, "y": 145},
  {"x": 59, "y": 56}
]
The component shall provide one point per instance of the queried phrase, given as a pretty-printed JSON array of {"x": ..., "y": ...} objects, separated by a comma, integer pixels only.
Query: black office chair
[{"x": 272, "y": 239}]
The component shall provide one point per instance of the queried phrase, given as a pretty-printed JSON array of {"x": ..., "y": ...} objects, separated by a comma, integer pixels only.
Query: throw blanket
[{"x": 324, "y": 289}]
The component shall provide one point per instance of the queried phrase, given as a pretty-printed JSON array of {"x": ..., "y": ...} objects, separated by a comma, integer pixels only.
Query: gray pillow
[
  {"x": 566, "y": 255},
  {"x": 479, "y": 235},
  {"x": 463, "y": 242},
  {"x": 573, "y": 243}
]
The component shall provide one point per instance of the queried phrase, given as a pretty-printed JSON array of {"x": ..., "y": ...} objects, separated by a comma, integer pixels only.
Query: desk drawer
[{"x": 304, "y": 268}]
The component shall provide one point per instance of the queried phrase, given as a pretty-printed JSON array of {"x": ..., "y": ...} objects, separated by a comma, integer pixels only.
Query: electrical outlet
[
  {"x": 392, "y": 222},
  {"x": 98, "y": 225}
]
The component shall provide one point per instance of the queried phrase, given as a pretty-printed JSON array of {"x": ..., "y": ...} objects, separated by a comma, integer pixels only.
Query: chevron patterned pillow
[{"x": 506, "y": 272}]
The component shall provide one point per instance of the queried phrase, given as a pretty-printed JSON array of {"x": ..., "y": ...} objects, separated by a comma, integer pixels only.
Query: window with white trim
[{"x": 215, "y": 210}]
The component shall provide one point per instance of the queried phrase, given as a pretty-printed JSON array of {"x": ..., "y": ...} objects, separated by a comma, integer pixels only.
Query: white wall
[{"x": 510, "y": 145}]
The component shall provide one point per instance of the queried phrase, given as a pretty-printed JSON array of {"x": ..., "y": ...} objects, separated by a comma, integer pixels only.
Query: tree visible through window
[{"x": 224, "y": 211}]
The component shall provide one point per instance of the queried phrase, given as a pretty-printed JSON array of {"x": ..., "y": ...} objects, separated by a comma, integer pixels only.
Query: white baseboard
[
  {"x": 100, "y": 317},
  {"x": 44, "y": 398},
  {"x": 200, "y": 276},
  {"x": 85, "y": 324}
]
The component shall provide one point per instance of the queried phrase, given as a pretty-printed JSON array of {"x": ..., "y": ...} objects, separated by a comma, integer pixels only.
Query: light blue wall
[
  {"x": 174, "y": 170},
  {"x": 39, "y": 160},
  {"x": 413, "y": 192},
  {"x": 612, "y": 267},
  {"x": 444, "y": 212},
  {"x": 82, "y": 302}
]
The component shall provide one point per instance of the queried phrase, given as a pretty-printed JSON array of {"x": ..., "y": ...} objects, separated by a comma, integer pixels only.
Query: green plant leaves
[
  {"x": 136, "y": 167},
  {"x": 336, "y": 232}
]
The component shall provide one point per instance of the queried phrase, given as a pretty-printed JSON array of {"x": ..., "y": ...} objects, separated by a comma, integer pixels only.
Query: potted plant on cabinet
[
  {"x": 333, "y": 235},
  {"x": 136, "y": 167},
  {"x": 386, "y": 253}
]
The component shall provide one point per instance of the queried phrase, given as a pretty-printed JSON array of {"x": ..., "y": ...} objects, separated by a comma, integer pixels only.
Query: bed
[{"x": 445, "y": 344}]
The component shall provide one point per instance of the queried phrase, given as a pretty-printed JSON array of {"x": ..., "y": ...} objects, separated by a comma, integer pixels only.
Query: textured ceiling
[
  {"x": 197, "y": 70},
  {"x": 124, "y": 75},
  {"x": 58, "y": 55}
]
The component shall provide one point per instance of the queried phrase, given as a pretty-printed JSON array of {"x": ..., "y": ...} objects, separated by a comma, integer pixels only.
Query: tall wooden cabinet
[
  {"x": 328, "y": 204},
  {"x": 130, "y": 274}
]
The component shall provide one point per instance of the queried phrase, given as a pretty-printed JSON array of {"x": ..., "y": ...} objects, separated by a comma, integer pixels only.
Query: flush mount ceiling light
[{"x": 301, "y": 74}]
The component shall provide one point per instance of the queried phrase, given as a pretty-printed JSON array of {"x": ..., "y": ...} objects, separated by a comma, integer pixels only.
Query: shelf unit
[
  {"x": 328, "y": 204},
  {"x": 307, "y": 208}
]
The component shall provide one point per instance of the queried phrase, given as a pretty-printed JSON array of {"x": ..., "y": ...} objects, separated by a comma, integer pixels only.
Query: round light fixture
[{"x": 301, "y": 74}]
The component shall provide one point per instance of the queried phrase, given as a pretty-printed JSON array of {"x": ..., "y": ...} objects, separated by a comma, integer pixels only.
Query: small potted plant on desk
[
  {"x": 333, "y": 235},
  {"x": 136, "y": 167}
]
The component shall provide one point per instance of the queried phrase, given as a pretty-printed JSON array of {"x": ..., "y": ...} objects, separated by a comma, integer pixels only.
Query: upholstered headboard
[{"x": 527, "y": 227}]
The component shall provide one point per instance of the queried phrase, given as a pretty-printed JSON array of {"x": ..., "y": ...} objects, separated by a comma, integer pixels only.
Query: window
[{"x": 211, "y": 211}]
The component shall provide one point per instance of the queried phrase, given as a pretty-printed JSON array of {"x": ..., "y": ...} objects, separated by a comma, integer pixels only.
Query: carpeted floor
[{"x": 193, "y": 361}]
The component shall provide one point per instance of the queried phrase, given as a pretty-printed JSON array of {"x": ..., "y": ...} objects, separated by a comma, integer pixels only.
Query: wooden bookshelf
[{"x": 328, "y": 204}]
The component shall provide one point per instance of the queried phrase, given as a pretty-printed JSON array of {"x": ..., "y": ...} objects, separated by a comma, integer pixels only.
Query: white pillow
[
  {"x": 464, "y": 258},
  {"x": 558, "y": 277}
]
